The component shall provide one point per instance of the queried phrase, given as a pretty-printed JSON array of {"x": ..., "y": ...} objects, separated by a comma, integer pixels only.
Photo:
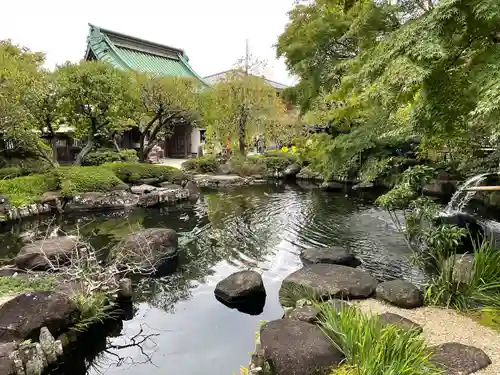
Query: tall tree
[
  {"x": 238, "y": 106},
  {"x": 161, "y": 104},
  {"x": 21, "y": 80},
  {"x": 97, "y": 99}
]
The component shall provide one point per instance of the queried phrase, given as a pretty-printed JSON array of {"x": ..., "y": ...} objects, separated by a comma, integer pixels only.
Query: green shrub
[
  {"x": 372, "y": 348},
  {"x": 245, "y": 166},
  {"x": 10, "y": 172},
  {"x": 134, "y": 172},
  {"x": 272, "y": 163},
  {"x": 101, "y": 156},
  {"x": 12, "y": 285},
  {"x": 28, "y": 189},
  {"x": 290, "y": 156},
  {"x": 74, "y": 180},
  {"x": 203, "y": 164},
  {"x": 451, "y": 287}
]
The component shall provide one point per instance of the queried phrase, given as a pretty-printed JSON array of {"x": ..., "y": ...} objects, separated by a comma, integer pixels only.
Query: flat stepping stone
[
  {"x": 400, "y": 293},
  {"x": 458, "y": 359},
  {"x": 292, "y": 347},
  {"x": 327, "y": 281},
  {"x": 400, "y": 322},
  {"x": 239, "y": 286},
  {"x": 330, "y": 255},
  {"x": 306, "y": 314}
]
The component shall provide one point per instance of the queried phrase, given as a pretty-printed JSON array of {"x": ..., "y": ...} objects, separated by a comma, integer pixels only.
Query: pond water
[{"x": 260, "y": 227}]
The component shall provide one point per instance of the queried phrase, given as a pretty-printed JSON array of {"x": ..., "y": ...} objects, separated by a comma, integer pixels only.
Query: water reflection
[{"x": 261, "y": 228}]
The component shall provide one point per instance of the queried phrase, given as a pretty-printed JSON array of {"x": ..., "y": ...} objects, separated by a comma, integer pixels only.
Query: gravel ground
[{"x": 443, "y": 325}]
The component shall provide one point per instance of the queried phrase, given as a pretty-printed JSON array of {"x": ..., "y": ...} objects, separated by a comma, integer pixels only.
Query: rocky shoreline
[{"x": 296, "y": 344}]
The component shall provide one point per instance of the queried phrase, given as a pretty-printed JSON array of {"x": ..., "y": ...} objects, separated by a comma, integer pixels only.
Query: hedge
[
  {"x": 102, "y": 156},
  {"x": 203, "y": 164},
  {"x": 28, "y": 189},
  {"x": 135, "y": 172},
  {"x": 74, "y": 180}
]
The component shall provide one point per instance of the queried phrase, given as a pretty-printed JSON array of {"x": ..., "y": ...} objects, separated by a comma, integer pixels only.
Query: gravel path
[{"x": 443, "y": 325}]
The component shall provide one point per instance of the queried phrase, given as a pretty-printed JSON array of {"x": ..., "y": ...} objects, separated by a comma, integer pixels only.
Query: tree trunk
[
  {"x": 85, "y": 150},
  {"x": 241, "y": 130},
  {"x": 115, "y": 143}
]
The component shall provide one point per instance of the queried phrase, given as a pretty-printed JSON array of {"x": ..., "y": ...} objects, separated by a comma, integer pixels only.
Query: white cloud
[{"x": 212, "y": 33}]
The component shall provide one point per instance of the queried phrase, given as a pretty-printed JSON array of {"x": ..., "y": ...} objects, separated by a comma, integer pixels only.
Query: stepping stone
[
  {"x": 459, "y": 359},
  {"x": 399, "y": 321},
  {"x": 306, "y": 314},
  {"x": 239, "y": 286},
  {"x": 327, "y": 281},
  {"x": 331, "y": 255},
  {"x": 292, "y": 347},
  {"x": 400, "y": 293}
]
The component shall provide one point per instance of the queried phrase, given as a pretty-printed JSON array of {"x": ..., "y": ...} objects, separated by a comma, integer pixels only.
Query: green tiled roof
[{"x": 126, "y": 52}]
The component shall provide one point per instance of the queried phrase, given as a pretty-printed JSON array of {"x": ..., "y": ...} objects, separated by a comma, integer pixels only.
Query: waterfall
[{"x": 462, "y": 197}]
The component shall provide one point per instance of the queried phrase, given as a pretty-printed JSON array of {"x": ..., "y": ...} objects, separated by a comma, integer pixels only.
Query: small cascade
[{"x": 463, "y": 196}]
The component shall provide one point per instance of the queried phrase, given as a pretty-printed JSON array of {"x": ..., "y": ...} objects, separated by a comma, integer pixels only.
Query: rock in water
[
  {"x": 327, "y": 281},
  {"x": 240, "y": 285},
  {"x": 459, "y": 359},
  {"x": 22, "y": 317},
  {"x": 152, "y": 250},
  {"x": 400, "y": 322},
  {"x": 331, "y": 186},
  {"x": 331, "y": 255},
  {"x": 6, "y": 362},
  {"x": 293, "y": 347},
  {"x": 47, "y": 254},
  {"x": 244, "y": 291},
  {"x": 291, "y": 171},
  {"x": 47, "y": 343},
  {"x": 400, "y": 293}
]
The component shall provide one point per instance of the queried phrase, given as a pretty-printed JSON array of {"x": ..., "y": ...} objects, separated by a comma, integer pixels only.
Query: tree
[
  {"x": 97, "y": 100},
  {"x": 240, "y": 105},
  {"x": 21, "y": 80},
  {"x": 161, "y": 104}
]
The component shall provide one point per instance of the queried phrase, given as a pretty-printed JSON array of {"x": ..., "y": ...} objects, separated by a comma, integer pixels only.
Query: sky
[{"x": 211, "y": 32}]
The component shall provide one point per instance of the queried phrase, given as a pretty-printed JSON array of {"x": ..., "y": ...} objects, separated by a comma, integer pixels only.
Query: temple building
[{"x": 127, "y": 52}]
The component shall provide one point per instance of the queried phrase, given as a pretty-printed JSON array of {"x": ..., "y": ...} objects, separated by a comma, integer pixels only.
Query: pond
[{"x": 260, "y": 227}]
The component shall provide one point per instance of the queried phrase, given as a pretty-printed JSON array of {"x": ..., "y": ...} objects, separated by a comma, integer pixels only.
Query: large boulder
[
  {"x": 307, "y": 314},
  {"x": 114, "y": 200},
  {"x": 293, "y": 347},
  {"x": 244, "y": 291},
  {"x": 400, "y": 293},
  {"x": 142, "y": 189},
  {"x": 240, "y": 285},
  {"x": 308, "y": 174},
  {"x": 149, "y": 251},
  {"x": 400, "y": 322},
  {"x": 327, "y": 281},
  {"x": 463, "y": 266},
  {"x": 47, "y": 254},
  {"x": 465, "y": 221},
  {"x": 23, "y": 316},
  {"x": 291, "y": 171},
  {"x": 458, "y": 359},
  {"x": 331, "y": 255},
  {"x": 162, "y": 196},
  {"x": 6, "y": 362}
]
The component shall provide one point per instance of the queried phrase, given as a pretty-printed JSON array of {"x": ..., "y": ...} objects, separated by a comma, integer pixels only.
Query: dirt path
[{"x": 444, "y": 325}]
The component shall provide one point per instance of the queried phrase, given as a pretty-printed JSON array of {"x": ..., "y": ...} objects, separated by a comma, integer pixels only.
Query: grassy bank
[
  {"x": 14, "y": 285},
  {"x": 69, "y": 181}
]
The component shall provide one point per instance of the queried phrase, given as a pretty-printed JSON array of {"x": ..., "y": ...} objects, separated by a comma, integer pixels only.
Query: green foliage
[
  {"x": 159, "y": 104},
  {"x": 134, "y": 172},
  {"x": 12, "y": 285},
  {"x": 478, "y": 290},
  {"x": 102, "y": 157},
  {"x": 94, "y": 308},
  {"x": 290, "y": 156},
  {"x": 204, "y": 164},
  {"x": 246, "y": 166},
  {"x": 26, "y": 190},
  {"x": 372, "y": 348},
  {"x": 75, "y": 180},
  {"x": 10, "y": 172}
]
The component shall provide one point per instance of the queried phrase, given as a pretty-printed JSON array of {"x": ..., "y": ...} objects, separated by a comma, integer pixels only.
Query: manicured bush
[
  {"x": 74, "y": 180},
  {"x": 273, "y": 163},
  {"x": 290, "y": 156},
  {"x": 203, "y": 164},
  {"x": 372, "y": 348},
  {"x": 105, "y": 156},
  {"x": 28, "y": 189},
  {"x": 134, "y": 172},
  {"x": 245, "y": 166}
]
